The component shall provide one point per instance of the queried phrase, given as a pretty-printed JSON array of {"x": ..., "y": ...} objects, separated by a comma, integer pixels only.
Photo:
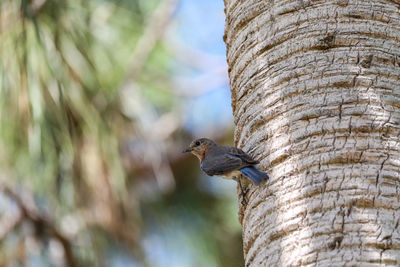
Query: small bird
[{"x": 224, "y": 161}]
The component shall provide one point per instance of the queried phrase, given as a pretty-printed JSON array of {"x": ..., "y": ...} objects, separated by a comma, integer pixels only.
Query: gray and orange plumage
[{"x": 225, "y": 161}]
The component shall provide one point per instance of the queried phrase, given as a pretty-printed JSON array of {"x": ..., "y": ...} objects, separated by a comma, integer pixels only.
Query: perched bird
[{"x": 225, "y": 161}]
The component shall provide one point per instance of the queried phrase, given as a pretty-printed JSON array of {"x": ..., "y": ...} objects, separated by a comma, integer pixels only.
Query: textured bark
[{"x": 316, "y": 96}]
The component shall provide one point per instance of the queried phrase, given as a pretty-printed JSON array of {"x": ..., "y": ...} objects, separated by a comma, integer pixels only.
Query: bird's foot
[{"x": 243, "y": 193}]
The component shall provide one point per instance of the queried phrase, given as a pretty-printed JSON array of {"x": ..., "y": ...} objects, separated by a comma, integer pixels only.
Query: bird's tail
[{"x": 255, "y": 175}]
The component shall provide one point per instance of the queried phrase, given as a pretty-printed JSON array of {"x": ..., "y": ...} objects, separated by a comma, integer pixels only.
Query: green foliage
[{"x": 64, "y": 129}]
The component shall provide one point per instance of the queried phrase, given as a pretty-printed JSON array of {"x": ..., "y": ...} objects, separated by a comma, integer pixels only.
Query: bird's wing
[
  {"x": 242, "y": 155},
  {"x": 222, "y": 164}
]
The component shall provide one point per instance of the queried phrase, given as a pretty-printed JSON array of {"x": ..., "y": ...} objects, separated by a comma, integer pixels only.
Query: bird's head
[{"x": 199, "y": 147}]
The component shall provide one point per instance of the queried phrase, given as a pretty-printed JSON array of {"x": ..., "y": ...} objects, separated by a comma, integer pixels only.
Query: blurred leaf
[{"x": 90, "y": 138}]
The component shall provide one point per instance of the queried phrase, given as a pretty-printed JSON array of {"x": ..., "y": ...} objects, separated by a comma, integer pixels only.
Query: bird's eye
[{"x": 197, "y": 143}]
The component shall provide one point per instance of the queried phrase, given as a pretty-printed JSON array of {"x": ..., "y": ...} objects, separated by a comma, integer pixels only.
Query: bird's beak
[{"x": 189, "y": 149}]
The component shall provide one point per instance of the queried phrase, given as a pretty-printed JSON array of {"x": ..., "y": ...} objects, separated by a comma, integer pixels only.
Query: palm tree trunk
[{"x": 315, "y": 96}]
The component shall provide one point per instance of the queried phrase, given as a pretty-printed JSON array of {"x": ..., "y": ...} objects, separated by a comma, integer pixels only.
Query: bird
[{"x": 225, "y": 161}]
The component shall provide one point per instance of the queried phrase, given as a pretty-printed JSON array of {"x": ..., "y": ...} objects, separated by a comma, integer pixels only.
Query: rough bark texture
[{"x": 316, "y": 97}]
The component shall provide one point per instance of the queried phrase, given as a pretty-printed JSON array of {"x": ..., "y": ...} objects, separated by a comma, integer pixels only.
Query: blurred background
[{"x": 98, "y": 98}]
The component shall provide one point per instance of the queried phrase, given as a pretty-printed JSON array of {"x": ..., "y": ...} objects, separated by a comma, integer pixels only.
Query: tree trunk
[{"x": 316, "y": 96}]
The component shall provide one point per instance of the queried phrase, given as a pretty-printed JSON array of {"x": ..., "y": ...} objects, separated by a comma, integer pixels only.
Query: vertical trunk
[{"x": 316, "y": 96}]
